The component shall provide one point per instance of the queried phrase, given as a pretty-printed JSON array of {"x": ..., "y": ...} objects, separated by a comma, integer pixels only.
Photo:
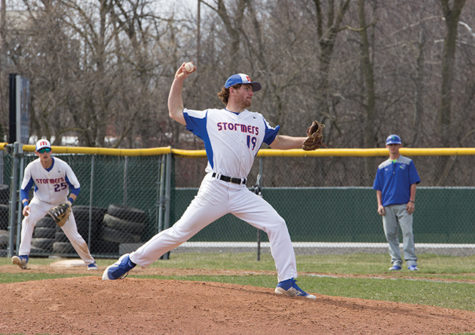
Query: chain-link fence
[
  {"x": 122, "y": 201},
  {"x": 330, "y": 199},
  {"x": 127, "y": 196}
]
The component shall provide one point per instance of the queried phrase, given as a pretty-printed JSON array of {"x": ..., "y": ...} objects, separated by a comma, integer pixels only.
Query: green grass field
[{"x": 444, "y": 281}]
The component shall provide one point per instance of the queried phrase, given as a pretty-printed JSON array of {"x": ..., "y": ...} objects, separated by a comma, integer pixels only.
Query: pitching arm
[{"x": 175, "y": 98}]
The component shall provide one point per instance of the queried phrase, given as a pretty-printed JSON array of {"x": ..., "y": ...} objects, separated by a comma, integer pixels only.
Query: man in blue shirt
[{"x": 395, "y": 186}]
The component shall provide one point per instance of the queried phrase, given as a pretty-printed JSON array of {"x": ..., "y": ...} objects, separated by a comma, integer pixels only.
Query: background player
[
  {"x": 53, "y": 179},
  {"x": 395, "y": 186},
  {"x": 232, "y": 138}
]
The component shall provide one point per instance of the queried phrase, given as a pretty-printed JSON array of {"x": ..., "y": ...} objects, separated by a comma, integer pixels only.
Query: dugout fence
[{"x": 129, "y": 195}]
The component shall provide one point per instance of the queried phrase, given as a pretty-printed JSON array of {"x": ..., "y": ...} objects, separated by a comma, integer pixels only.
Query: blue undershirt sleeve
[
  {"x": 73, "y": 190},
  {"x": 24, "y": 192},
  {"x": 270, "y": 133}
]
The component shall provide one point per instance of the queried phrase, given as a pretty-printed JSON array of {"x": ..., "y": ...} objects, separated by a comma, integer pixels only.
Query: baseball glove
[
  {"x": 60, "y": 213},
  {"x": 314, "y": 136}
]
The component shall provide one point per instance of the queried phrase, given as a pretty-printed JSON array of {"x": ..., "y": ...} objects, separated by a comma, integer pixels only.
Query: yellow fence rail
[{"x": 337, "y": 152}]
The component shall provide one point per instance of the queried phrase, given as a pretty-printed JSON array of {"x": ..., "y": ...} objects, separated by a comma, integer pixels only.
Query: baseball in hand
[{"x": 189, "y": 67}]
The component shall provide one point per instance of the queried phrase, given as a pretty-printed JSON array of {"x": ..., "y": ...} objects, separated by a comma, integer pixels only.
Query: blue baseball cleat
[
  {"x": 92, "y": 266},
  {"x": 290, "y": 288},
  {"x": 119, "y": 269},
  {"x": 413, "y": 268},
  {"x": 395, "y": 268},
  {"x": 21, "y": 261}
]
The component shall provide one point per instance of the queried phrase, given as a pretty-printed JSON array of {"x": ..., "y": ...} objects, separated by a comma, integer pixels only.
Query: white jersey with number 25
[{"x": 51, "y": 185}]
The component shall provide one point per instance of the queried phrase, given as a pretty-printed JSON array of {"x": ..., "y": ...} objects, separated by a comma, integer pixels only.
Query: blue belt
[{"x": 238, "y": 181}]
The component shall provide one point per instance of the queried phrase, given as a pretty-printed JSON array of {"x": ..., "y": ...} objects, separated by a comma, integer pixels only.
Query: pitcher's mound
[{"x": 89, "y": 305}]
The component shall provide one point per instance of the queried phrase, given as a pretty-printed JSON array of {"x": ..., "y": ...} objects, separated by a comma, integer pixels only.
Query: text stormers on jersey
[
  {"x": 49, "y": 181},
  {"x": 238, "y": 126}
]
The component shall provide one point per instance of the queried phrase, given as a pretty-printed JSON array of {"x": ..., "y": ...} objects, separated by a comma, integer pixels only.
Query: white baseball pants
[
  {"x": 216, "y": 198},
  {"x": 38, "y": 210}
]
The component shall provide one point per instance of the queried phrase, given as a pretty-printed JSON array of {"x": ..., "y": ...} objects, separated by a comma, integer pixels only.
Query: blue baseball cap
[
  {"x": 241, "y": 78},
  {"x": 393, "y": 139}
]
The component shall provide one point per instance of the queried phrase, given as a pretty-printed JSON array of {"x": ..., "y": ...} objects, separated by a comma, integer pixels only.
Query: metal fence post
[
  {"x": 161, "y": 191},
  {"x": 125, "y": 180},
  {"x": 21, "y": 172},
  {"x": 2, "y": 163},
  {"x": 91, "y": 193},
  {"x": 17, "y": 151},
  {"x": 258, "y": 191},
  {"x": 168, "y": 181}
]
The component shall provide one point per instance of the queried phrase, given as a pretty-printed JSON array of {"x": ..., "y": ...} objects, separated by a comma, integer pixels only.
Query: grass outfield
[{"x": 444, "y": 281}]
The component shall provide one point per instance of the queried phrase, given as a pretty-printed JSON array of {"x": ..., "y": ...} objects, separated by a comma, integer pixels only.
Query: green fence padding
[{"x": 346, "y": 214}]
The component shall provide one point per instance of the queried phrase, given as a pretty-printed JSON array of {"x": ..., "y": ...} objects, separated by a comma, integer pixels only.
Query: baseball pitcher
[{"x": 232, "y": 137}]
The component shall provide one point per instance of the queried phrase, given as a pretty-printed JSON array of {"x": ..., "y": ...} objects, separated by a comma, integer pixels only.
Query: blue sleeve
[
  {"x": 196, "y": 122},
  {"x": 377, "y": 181},
  {"x": 73, "y": 190},
  {"x": 24, "y": 191},
  {"x": 413, "y": 175},
  {"x": 270, "y": 133}
]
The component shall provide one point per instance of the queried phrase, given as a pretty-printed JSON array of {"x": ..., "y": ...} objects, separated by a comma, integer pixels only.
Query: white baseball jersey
[
  {"x": 51, "y": 185},
  {"x": 231, "y": 140}
]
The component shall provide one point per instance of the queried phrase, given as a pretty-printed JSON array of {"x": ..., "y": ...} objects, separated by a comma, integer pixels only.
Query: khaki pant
[{"x": 397, "y": 216}]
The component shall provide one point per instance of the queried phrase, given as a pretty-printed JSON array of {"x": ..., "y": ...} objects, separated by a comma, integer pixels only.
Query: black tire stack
[
  {"x": 5, "y": 219},
  {"x": 121, "y": 224},
  {"x": 4, "y": 215},
  {"x": 4, "y": 237},
  {"x": 43, "y": 237},
  {"x": 4, "y": 208},
  {"x": 62, "y": 246}
]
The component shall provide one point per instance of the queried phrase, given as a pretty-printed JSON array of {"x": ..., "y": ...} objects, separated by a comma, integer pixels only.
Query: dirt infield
[{"x": 88, "y": 305}]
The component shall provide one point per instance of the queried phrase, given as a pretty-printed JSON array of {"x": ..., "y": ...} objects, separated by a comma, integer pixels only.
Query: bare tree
[
  {"x": 43, "y": 53},
  {"x": 101, "y": 70},
  {"x": 368, "y": 85},
  {"x": 328, "y": 27},
  {"x": 232, "y": 22},
  {"x": 90, "y": 25},
  {"x": 3, "y": 57},
  {"x": 445, "y": 127},
  {"x": 451, "y": 18}
]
